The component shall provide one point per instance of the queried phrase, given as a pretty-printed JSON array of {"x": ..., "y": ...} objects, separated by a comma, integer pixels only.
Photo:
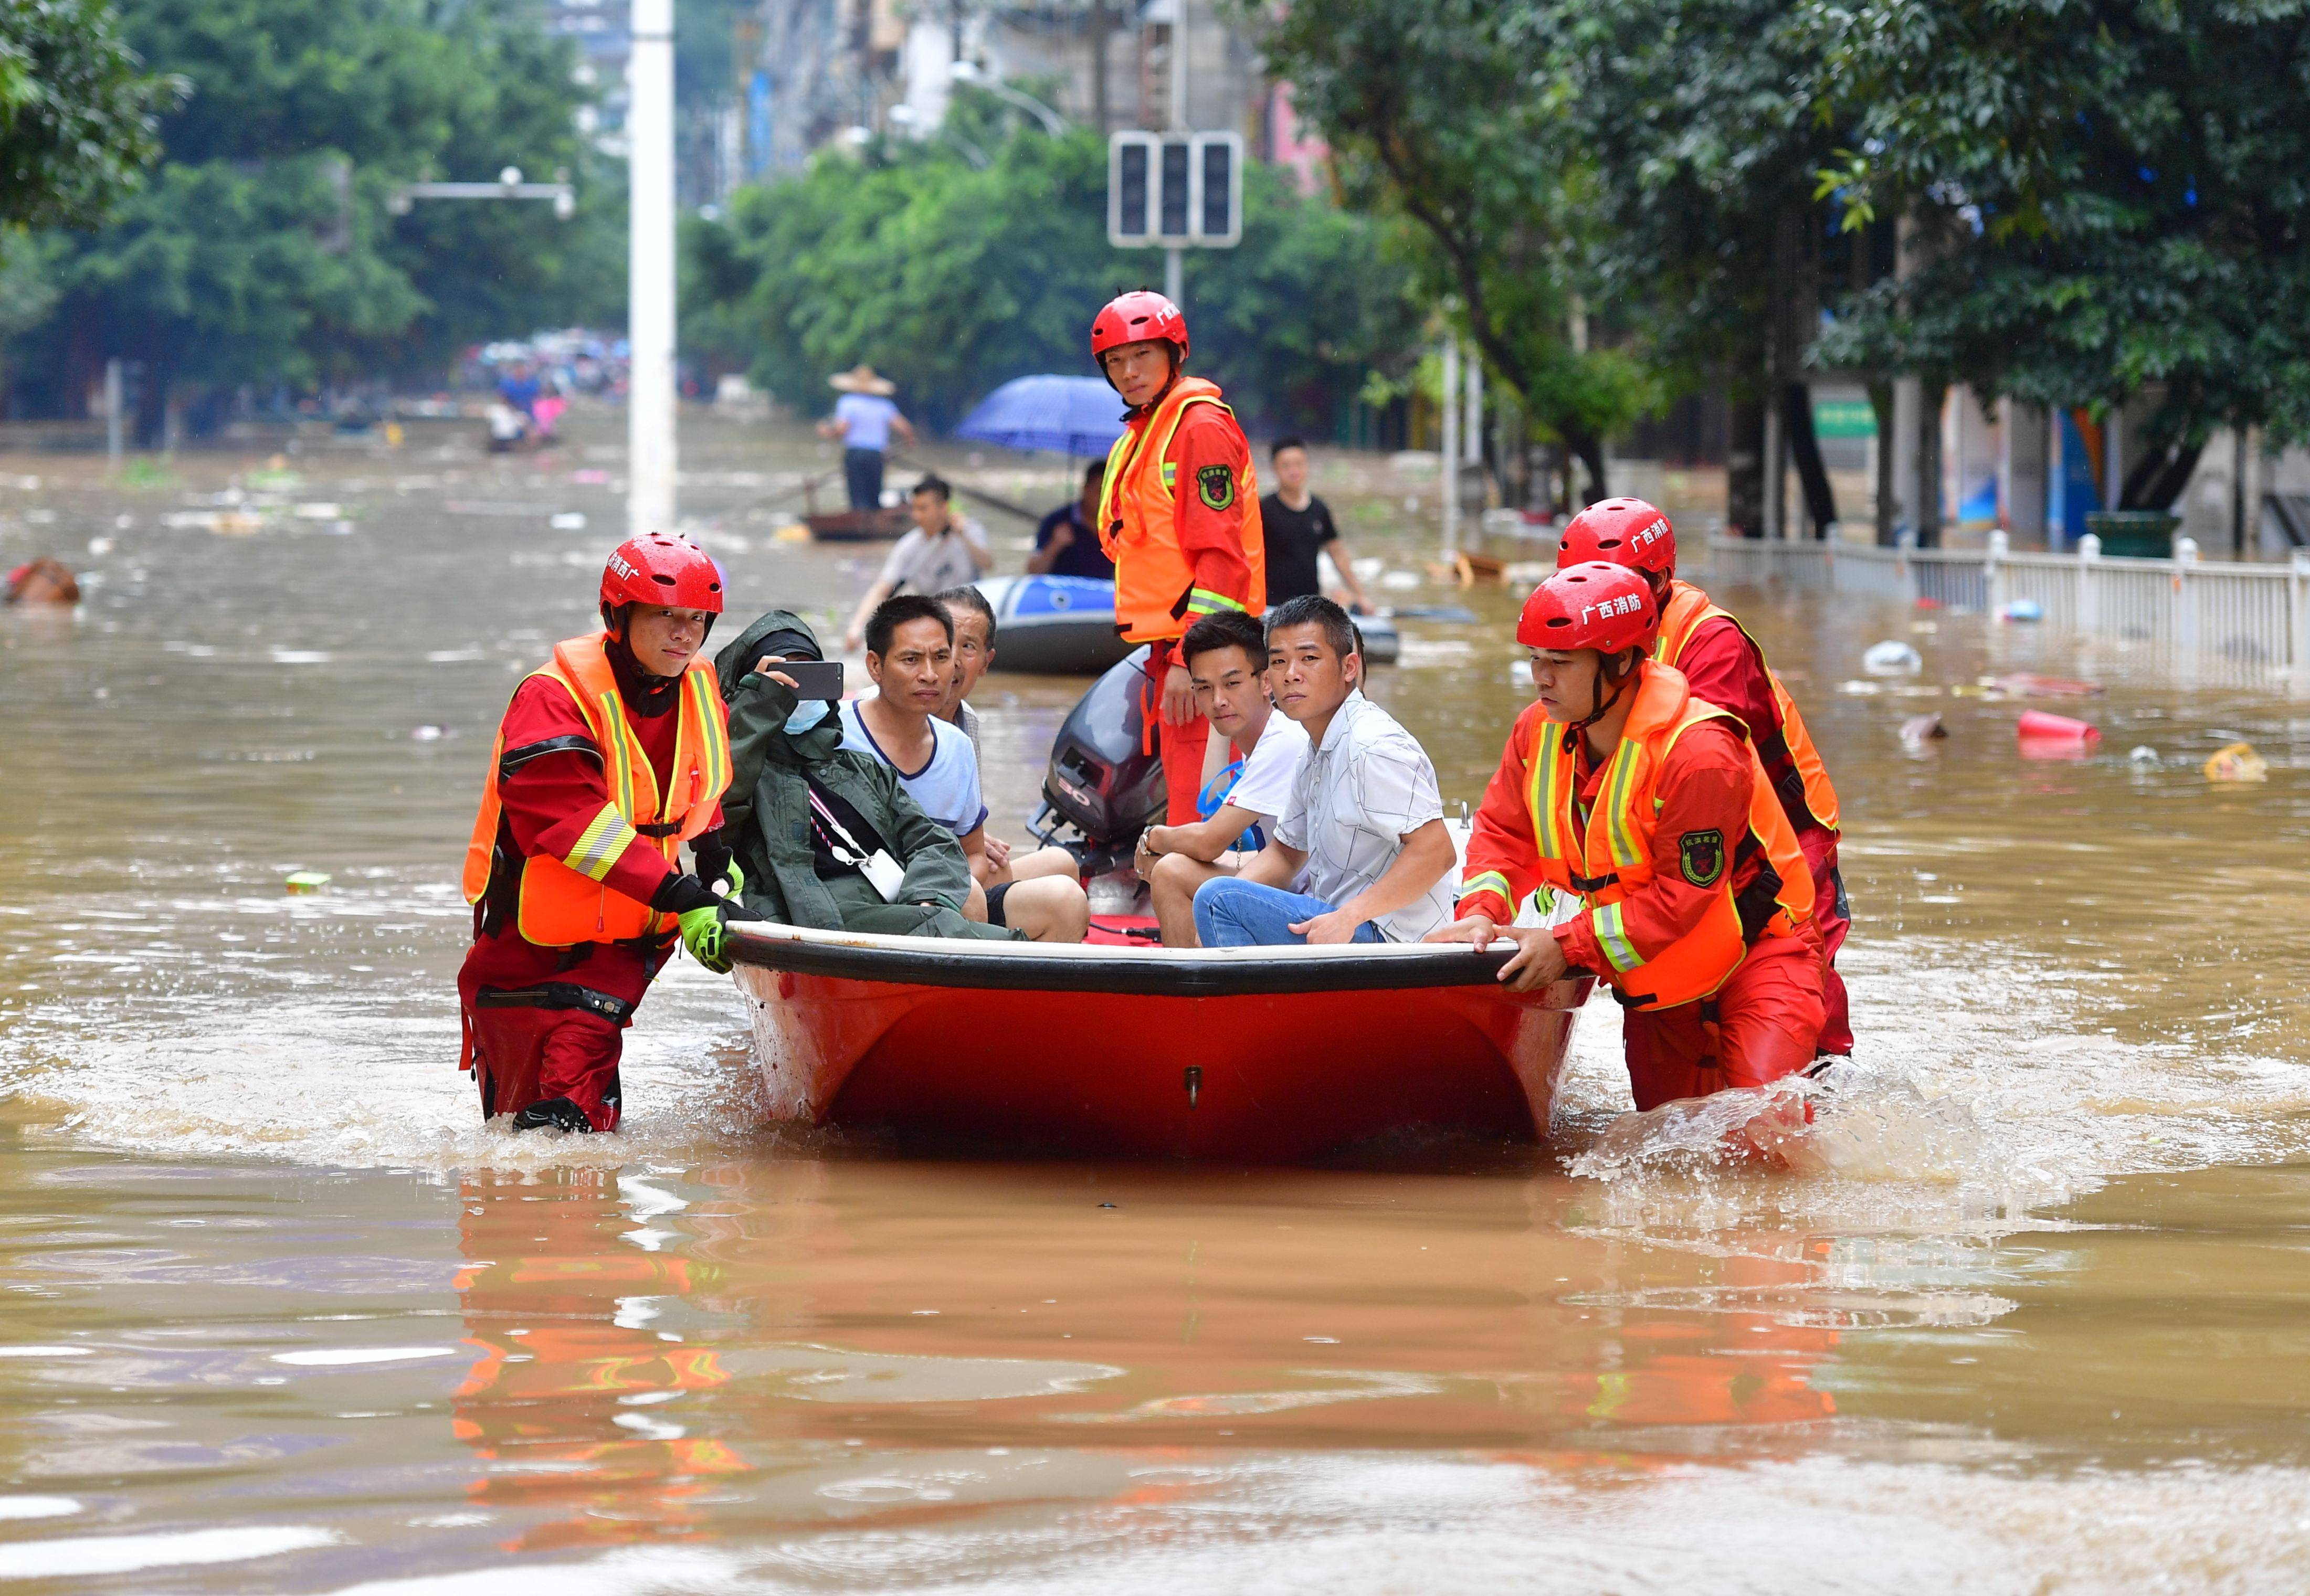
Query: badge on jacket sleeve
[
  {"x": 1701, "y": 855},
  {"x": 1215, "y": 486}
]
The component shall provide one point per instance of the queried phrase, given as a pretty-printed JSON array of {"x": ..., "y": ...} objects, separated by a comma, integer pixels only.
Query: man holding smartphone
[{"x": 827, "y": 838}]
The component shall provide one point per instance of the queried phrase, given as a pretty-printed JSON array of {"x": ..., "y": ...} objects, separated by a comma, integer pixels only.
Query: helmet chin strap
[{"x": 1603, "y": 705}]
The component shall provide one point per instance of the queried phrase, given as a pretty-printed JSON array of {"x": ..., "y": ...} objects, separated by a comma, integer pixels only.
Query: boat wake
[{"x": 1967, "y": 1101}]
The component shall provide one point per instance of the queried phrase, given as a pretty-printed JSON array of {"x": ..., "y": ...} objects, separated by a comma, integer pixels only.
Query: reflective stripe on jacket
[
  {"x": 562, "y": 901},
  {"x": 1610, "y": 855},
  {"x": 1687, "y": 607},
  {"x": 1155, "y": 591}
]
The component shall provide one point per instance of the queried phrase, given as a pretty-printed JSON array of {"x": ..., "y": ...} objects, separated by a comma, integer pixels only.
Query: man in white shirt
[
  {"x": 1361, "y": 853},
  {"x": 910, "y": 658},
  {"x": 940, "y": 553},
  {"x": 1226, "y": 656}
]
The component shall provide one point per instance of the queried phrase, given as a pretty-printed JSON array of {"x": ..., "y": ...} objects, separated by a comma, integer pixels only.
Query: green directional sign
[{"x": 1843, "y": 417}]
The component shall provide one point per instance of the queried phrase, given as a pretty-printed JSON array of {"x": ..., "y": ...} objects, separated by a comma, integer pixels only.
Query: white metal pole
[
  {"x": 1472, "y": 435},
  {"x": 650, "y": 442},
  {"x": 1174, "y": 259},
  {"x": 113, "y": 399},
  {"x": 1451, "y": 450},
  {"x": 1773, "y": 466}
]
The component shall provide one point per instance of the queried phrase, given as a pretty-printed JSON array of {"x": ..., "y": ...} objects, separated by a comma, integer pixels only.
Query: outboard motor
[{"x": 1105, "y": 782}]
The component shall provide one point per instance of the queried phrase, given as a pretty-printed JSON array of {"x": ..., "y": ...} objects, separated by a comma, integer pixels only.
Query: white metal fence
[{"x": 2250, "y": 622}]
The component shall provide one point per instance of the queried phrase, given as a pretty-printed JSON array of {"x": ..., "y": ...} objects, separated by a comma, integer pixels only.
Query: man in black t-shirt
[
  {"x": 1066, "y": 544},
  {"x": 1297, "y": 526}
]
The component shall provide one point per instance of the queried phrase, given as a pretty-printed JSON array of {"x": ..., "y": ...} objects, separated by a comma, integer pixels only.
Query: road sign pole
[{"x": 650, "y": 439}]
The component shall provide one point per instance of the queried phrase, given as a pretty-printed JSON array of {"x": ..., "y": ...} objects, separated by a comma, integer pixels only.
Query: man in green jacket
[{"x": 812, "y": 824}]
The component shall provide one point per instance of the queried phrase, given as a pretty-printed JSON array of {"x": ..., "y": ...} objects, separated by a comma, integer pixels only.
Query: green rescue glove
[
  {"x": 701, "y": 933},
  {"x": 704, "y": 931},
  {"x": 733, "y": 881}
]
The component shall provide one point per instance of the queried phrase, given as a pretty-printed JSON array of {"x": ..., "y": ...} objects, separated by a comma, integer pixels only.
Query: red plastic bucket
[{"x": 2036, "y": 725}]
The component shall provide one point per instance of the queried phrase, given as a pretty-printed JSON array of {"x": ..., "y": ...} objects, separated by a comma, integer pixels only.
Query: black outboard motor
[{"x": 1104, "y": 781}]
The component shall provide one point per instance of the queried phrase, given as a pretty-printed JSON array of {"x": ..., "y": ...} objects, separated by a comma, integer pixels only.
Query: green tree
[
  {"x": 77, "y": 115},
  {"x": 1704, "y": 131},
  {"x": 2108, "y": 199},
  {"x": 956, "y": 263},
  {"x": 263, "y": 249},
  {"x": 1453, "y": 117}
]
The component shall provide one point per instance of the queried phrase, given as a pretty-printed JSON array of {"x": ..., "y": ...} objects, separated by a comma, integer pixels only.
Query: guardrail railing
[{"x": 2250, "y": 622}]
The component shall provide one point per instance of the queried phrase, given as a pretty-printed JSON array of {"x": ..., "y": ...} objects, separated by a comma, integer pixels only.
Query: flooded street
[{"x": 278, "y": 1313}]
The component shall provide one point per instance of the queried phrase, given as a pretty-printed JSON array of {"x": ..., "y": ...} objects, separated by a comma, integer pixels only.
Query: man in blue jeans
[{"x": 1361, "y": 853}]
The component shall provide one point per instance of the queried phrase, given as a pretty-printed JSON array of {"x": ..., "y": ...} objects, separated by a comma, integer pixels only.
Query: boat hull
[{"x": 1053, "y": 1063}]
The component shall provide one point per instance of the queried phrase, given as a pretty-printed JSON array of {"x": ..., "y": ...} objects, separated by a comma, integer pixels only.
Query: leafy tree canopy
[
  {"x": 957, "y": 263},
  {"x": 1455, "y": 120},
  {"x": 77, "y": 113},
  {"x": 264, "y": 248},
  {"x": 2109, "y": 195}
]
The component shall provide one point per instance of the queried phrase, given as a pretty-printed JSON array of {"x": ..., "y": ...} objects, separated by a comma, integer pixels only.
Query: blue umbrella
[{"x": 1069, "y": 415}]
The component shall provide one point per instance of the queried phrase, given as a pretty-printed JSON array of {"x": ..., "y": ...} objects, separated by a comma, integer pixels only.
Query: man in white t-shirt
[
  {"x": 910, "y": 658},
  {"x": 1226, "y": 656},
  {"x": 1361, "y": 853},
  {"x": 941, "y": 551}
]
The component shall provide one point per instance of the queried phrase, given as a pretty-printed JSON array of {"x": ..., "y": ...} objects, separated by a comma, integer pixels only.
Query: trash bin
[{"x": 2135, "y": 534}]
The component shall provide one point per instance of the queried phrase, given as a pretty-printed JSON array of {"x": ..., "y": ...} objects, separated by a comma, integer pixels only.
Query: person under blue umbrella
[{"x": 1066, "y": 542}]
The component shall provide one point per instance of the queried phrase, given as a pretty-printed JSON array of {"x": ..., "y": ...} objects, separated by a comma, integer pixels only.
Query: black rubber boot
[{"x": 555, "y": 1113}]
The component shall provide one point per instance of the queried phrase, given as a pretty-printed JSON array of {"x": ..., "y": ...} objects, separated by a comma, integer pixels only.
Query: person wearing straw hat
[{"x": 863, "y": 419}]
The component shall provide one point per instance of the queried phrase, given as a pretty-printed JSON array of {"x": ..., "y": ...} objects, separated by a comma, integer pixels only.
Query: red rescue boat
[{"x": 1254, "y": 1055}]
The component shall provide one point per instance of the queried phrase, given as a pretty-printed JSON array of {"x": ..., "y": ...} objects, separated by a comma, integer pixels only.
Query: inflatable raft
[
  {"x": 1064, "y": 626},
  {"x": 1252, "y": 1055}
]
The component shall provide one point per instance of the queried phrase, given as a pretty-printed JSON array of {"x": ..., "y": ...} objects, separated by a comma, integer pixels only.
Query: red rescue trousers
[
  {"x": 1760, "y": 1026},
  {"x": 523, "y": 1055},
  {"x": 1182, "y": 747},
  {"x": 1832, "y": 919}
]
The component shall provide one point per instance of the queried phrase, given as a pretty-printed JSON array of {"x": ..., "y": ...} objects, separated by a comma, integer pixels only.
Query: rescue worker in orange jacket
[
  {"x": 1725, "y": 666},
  {"x": 1623, "y": 788},
  {"x": 610, "y": 757},
  {"x": 1178, "y": 515}
]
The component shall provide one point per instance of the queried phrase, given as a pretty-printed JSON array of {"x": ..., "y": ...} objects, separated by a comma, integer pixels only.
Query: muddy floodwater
[{"x": 277, "y": 1314}]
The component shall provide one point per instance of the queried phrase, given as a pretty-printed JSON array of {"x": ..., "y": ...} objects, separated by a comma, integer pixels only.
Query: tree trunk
[
  {"x": 2156, "y": 481},
  {"x": 1929, "y": 465},
  {"x": 1589, "y": 449},
  {"x": 1744, "y": 468},
  {"x": 1804, "y": 446},
  {"x": 1881, "y": 401},
  {"x": 152, "y": 405}
]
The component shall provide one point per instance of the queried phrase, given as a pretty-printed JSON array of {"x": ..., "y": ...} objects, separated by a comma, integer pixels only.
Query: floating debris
[
  {"x": 1892, "y": 657},
  {"x": 305, "y": 882},
  {"x": 2237, "y": 762}
]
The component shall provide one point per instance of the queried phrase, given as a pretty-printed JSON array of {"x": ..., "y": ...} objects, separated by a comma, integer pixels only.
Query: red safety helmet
[
  {"x": 657, "y": 569},
  {"x": 1621, "y": 531},
  {"x": 1594, "y": 605},
  {"x": 1136, "y": 317}
]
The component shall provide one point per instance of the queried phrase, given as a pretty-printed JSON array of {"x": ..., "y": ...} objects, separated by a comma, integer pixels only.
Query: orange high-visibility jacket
[
  {"x": 1155, "y": 591},
  {"x": 1687, "y": 607},
  {"x": 1611, "y": 856},
  {"x": 562, "y": 901}
]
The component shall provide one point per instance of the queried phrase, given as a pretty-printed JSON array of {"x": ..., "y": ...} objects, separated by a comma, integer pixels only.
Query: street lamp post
[{"x": 650, "y": 442}]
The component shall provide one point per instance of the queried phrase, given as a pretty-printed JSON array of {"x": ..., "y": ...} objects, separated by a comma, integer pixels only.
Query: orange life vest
[
  {"x": 1155, "y": 591},
  {"x": 1687, "y": 607},
  {"x": 1605, "y": 860},
  {"x": 562, "y": 901}
]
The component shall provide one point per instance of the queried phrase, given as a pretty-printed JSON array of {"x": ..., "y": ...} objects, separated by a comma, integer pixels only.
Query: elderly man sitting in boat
[{"x": 826, "y": 838}]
